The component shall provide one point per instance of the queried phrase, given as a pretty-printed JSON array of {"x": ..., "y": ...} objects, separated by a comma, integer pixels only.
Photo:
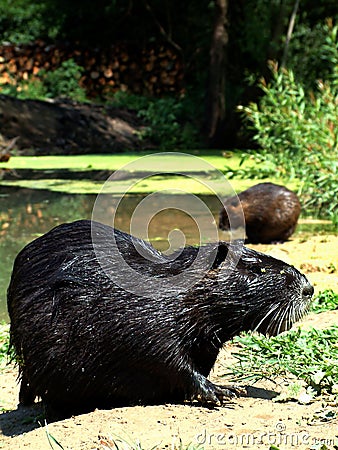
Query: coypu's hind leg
[
  {"x": 26, "y": 394},
  {"x": 207, "y": 392}
]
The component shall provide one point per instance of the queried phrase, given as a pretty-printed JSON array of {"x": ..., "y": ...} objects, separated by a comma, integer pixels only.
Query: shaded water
[{"x": 27, "y": 213}]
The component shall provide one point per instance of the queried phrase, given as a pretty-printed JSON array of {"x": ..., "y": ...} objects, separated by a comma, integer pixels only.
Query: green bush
[
  {"x": 61, "y": 82},
  {"x": 64, "y": 81},
  {"x": 313, "y": 52},
  {"x": 169, "y": 121},
  {"x": 21, "y": 21},
  {"x": 297, "y": 135},
  {"x": 33, "y": 88}
]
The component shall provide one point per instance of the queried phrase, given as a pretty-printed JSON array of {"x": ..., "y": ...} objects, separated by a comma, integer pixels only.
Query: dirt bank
[{"x": 254, "y": 422}]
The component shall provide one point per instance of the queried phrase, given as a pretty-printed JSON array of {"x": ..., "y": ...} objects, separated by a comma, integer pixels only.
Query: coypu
[
  {"x": 81, "y": 341},
  {"x": 270, "y": 211}
]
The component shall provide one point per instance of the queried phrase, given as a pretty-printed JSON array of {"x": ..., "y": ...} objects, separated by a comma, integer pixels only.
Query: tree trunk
[{"x": 215, "y": 110}]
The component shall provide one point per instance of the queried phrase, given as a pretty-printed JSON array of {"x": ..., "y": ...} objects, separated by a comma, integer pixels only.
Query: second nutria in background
[{"x": 270, "y": 211}]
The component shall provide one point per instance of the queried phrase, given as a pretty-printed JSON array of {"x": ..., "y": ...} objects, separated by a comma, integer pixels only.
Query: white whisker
[
  {"x": 281, "y": 320},
  {"x": 269, "y": 312}
]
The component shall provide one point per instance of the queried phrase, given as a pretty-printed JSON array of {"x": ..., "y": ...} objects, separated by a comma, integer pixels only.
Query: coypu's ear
[{"x": 222, "y": 252}]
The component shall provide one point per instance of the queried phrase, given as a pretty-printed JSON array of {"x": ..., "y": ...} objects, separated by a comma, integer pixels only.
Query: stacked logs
[{"x": 154, "y": 70}]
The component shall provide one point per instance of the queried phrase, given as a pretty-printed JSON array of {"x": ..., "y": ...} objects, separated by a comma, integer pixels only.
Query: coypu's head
[
  {"x": 231, "y": 210},
  {"x": 255, "y": 204},
  {"x": 257, "y": 292}
]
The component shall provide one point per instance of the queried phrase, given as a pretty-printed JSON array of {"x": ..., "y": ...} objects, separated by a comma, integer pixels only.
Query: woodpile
[{"x": 156, "y": 70}]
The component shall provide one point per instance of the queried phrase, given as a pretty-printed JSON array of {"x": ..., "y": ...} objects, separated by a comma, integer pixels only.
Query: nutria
[
  {"x": 270, "y": 211},
  {"x": 82, "y": 341}
]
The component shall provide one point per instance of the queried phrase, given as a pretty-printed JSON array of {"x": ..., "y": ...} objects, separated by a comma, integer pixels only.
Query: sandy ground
[{"x": 254, "y": 422}]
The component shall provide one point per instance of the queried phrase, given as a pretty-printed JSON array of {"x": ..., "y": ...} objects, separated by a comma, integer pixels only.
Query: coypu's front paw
[{"x": 207, "y": 392}]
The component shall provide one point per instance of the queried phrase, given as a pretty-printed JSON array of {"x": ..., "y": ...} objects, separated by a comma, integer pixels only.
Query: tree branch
[
  {"x": 289, "y": 32},
  {"x": 166, "y": 36}
]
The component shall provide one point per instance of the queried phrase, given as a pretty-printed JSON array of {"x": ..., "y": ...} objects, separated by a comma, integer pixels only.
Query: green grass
[
  {"x": 121, "y": 443},
  {"x": 325, "y": 301},
  {"x": 4, "y": 342},
  {"x": 311, "y": 356},
  {"x": 52, "y": 441}
]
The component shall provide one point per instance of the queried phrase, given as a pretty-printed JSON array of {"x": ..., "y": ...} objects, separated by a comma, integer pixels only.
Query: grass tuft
[
  {"x": 4, "y": 342},
  {"x": 311, "y": 356},
  {"x": 325, "y": 301}
]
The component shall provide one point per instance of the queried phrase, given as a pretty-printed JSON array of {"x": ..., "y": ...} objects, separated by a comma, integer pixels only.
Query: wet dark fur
[
  {"x": 271, "y": 212},
  {"x": 81, "y": 341}
]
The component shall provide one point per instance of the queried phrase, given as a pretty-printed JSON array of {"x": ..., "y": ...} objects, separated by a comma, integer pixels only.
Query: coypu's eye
[
  {"x": 234, "y": 203},
  {"x": 308, "y": 291}
]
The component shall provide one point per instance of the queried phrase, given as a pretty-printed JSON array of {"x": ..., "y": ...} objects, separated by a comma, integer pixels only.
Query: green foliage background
[{"x": 295, "y": 127}]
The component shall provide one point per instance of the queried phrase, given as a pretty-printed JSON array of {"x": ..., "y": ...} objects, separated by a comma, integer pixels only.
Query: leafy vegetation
[
  {"x": 256, "y": 34},
  {"x": 325, "y": 301},
  {"x": 311, "y": 356},
  {"x": 313, "y": 53},
  {"x": 61, "y": 82},
  {"x": 64, "y": 81},
  {"x": 297, "y": 134},
  {"x": 4, "y": 342},
  {"x": 21, "y": 21},
  {"x": 169, "y": 121}
]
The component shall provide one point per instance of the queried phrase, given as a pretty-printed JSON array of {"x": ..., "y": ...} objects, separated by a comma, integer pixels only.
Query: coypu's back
[
  {"x": 83, "y": 341},
  {"x": 270, "y": 211}
]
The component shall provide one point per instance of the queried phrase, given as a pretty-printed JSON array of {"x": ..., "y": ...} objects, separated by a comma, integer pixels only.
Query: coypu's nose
[{"x": 307, "y": 291}]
